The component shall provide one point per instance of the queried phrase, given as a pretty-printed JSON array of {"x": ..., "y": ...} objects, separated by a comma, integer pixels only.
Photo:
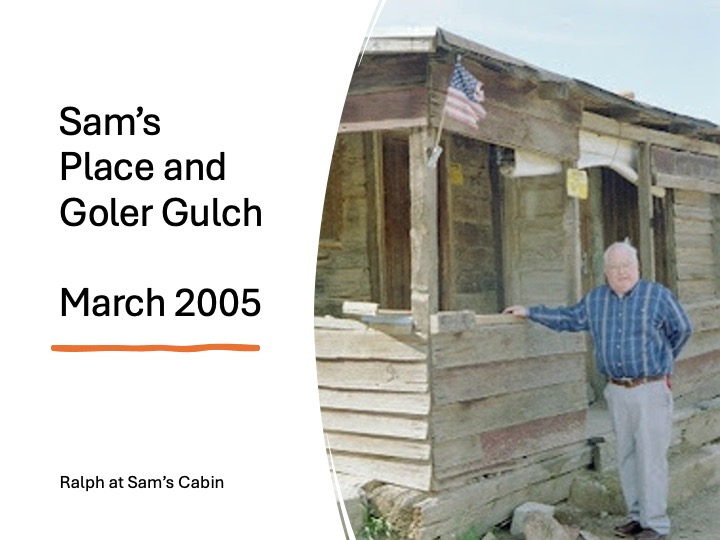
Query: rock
[
  {"x": 541, "y": 526},
  {"x": 522, "y": 511}
]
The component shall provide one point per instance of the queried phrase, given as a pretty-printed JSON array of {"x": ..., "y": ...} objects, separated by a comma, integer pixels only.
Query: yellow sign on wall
[
  {"x": 577, "y": 183},
  {"x": 455, "y": 172}
]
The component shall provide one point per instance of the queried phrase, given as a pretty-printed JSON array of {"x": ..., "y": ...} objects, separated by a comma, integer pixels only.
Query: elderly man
[{"x": 638, "y": 329}]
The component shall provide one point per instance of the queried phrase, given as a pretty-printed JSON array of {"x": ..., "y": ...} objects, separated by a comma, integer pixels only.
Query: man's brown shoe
[
  {"x": 631, "y": 528},
  {"x": 650, "y": 534}
]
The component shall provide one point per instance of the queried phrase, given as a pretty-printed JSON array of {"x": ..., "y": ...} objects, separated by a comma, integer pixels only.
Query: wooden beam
[
  {"x": 607, "y": 126},
  {"x": 553, "y": 90},
  {"x": 376, "y": 214},
  {"x": 674, "y": 181},
  {"x": 498, "y": 218},
  {"x": 597, "y": 240},
  {"x": 715, "y": 204},
  {"x": 423, "y": 230},
  {"x": 645, "y": 213},
  {"x": 573, "y": 250}
]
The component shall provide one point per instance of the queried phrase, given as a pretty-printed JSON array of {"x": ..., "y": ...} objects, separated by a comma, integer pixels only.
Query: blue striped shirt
[{"x": 637, "y": 335}]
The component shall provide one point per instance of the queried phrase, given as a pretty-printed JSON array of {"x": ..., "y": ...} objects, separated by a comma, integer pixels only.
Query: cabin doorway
[{"x": 611, "y": 214}]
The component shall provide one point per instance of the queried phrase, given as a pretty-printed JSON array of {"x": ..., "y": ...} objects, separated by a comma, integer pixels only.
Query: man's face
[{"x": 621, "y": 271}]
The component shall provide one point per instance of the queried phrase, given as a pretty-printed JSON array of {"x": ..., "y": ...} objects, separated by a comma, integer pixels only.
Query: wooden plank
[
  {"x": 401, "y": 427},
  {"x": 645, "y": 214},
  {"x": 467, "y": 498},
  {"x": 497, "y": 193},
  {"x": 693, "y": 242},
  {"x": 332, "y": 323},
  {"x": 685, "y": 164},
  {"x": 506, "y": 444},
  {"x": 402, "y": 44},
  {"x": 693, "y": 228},
  {"x": 695, "y": 290},
  {"x": 376, "y": 213},
  {"x": 402, "y": 104},
  {"x": 517, "y": 117},
  {"x": 452, "y": 321},
  {"x": 503, "y": 446},
  {"x": 502, "y": 342},
  {"x": 382, "y": 125},
  {"x": 456, "y": 420},
  {"x": 701, "y": 343},
  {"x": 705, "y": 316},
  {"x": 696, "y": 271},
  {"x": 416, "y": 475},
  {"x": 368, "y": 344},
  {"x": 359, "y": 308},
  {"x": 385, "y": 402},
  {"x": 683, "y": 182},
  {"x": 479, "y": 381},
  {"x": 373, "y": 375},
  {"x": 692, "y": 198},
  {"x": 487, "y": 516},
  {"x": 671, "y": 243},
  {"x": 423, "y": 231},
  {"x": 693, "y": 375},
  {"x": 508, "y": 127},
  {"x": 481, "y": 344},
  {"x": 504, "y": 90},
  {"x": 378, "y": 446},
  {"x": 608, "y": 126},
  {"x": 572, "y": 255},
  {"x": 715, "y": 207},
  {"x": 692, "y": 212},
  {"x": 386, "y": 72}
]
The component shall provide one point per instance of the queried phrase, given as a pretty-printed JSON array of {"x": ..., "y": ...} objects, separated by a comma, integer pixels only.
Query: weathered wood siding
[
  {"x": 342, "y": 264},
  {"x": 696, "y": 245},
  {"x": 537, "y": 262},
  {"x": 697, "y": 372},
  {"x": 387, "y": 92},
  {"x": 503, "y": 393},
  {"x": 375, "y": 401},
  {"x": 469, "y": 265},
  {"x": 695, "y": 183},
  {"x": 491, "y": 398},
  {"x": 517, "y": 116}
]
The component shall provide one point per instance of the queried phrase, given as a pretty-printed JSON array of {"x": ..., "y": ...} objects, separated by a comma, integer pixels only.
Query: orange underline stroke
[{"x": 238, "y": 347}]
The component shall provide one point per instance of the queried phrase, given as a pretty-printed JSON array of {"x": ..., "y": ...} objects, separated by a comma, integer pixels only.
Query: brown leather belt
[{"x": 632, "y": 383}]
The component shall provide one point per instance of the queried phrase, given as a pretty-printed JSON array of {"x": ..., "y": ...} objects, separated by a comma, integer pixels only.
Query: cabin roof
[{"x": 437, "y": 41}]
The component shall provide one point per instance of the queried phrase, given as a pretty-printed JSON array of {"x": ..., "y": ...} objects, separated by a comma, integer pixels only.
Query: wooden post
[
  {"x": 496, "y": 196},
  {"x": 423, "y": 231},
  {"x": 376, "y": 214},
  {"x": 645, "y": 213},
  {"x": 597, "y": 238},
  {"x": 573, "y": 251},
  {"x": 595, "y": 262},
  {"x": 715, "y": 207}
]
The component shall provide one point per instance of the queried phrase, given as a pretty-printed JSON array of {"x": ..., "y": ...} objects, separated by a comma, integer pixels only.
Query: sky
[{"x": 666, "y": 51}]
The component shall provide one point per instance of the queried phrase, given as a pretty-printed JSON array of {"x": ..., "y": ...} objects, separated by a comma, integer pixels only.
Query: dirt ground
[{"x": 697, "y": 518}]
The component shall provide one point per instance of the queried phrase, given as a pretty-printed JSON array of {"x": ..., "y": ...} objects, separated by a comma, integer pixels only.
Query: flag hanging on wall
[{"x": 464, "y": 97}]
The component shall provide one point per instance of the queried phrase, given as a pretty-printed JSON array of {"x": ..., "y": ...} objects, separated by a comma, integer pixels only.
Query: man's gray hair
[{"x": 623, "y": 245}]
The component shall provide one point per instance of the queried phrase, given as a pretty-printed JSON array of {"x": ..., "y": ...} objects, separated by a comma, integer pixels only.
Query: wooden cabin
[{"x": 424, "y": 386}]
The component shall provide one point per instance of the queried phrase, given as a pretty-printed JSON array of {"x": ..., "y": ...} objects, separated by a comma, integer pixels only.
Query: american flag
[{"x": 464, "y": 97}]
